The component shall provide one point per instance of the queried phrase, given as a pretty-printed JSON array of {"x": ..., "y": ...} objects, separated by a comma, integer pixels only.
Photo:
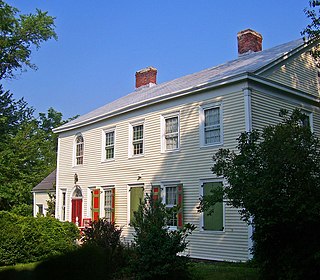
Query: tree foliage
[
  {"x": 18, "y": 35},
  {"x": 157, "y": 247},
  {"x": 312, "y": 30},
  {"x": 274, "y": 178},
  {"x": 27, "y": 149}
]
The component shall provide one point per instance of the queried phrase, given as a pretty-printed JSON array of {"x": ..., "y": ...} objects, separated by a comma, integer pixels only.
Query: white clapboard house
[{"x": 163, "y": 136}]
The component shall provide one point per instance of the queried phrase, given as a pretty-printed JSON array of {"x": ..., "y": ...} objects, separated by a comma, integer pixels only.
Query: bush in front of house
[
  {"x": 107, "y": 236},
  {"x": 157, "y": 247},
  {"x": 29, "y": 239}
]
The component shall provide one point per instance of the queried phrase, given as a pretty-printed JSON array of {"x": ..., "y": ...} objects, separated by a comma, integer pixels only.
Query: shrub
[
  {"x": 106, "y": 236},
  {"x": 29, "y": 239},
  {"x": 156, "y": 246}
]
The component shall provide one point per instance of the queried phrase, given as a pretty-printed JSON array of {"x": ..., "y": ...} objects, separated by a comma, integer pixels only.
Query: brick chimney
[
  {"x": 146, "y": 76},
  {"x": 249, "y": 41}
]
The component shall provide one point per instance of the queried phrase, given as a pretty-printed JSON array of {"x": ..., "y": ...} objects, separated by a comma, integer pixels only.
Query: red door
[{"x": 76, "y": 216}]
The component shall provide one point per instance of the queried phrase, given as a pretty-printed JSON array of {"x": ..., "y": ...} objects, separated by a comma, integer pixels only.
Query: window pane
[
  {"x": 171, "y": 196},
  {"x": 215, "y": 220},
  {"x": 137, "y": 139},
  {"x": 171, "y": 133},
  {"x": 79, "y": 150},
  {"x": 109, "y": 145},
  {"x": 108, "y": 204},
  {"x": 212, "y": 126}
]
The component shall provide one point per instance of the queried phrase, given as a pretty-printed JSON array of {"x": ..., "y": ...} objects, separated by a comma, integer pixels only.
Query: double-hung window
[
  {"x": 136, "y": 139},
  {"x": 79, "y": 150},
  {"x": 171, "y": 195},
  {"x": 63, "y": 205},
  {"x": 109, "y": 146},
  {"x": 170, "y": 133},
  {"x": 210, "y": 125},
  {"x": 109, "y": 203}
]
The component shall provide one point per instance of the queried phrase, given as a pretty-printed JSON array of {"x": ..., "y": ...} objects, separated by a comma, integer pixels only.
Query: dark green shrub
[
  {"x": 22, "y": 210},
  {"x": 157, "y": 247},
  {"x": 106, "y": 236},
  {"x": 29, "y": 239}
]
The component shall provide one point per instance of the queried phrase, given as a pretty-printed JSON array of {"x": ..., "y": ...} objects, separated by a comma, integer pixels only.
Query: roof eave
[{"x": 152, "y": 101}]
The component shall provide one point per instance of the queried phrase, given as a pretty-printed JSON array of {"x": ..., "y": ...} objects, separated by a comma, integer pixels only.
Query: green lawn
[
  {"x": 223, "y": 271},
  {"x": 199, "y": 271}
]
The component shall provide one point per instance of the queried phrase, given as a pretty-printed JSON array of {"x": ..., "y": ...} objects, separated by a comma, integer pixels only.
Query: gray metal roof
[
  {"x": 47, "y": 184},
  {"x": 246, "y": 63}
]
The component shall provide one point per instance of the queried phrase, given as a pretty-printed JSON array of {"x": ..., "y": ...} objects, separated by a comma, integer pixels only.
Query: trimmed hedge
[{"x": 29, "y": 239}]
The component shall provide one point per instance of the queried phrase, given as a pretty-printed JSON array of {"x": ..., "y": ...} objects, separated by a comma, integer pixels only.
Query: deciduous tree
[{"x": 274, "y": 178}]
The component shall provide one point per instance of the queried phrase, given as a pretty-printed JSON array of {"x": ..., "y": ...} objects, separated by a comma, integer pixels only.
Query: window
[
  {"x": 63, "y": 206},
  {"x": 109, "y": 147},
  {"x": 109, "y": 204},
  {"x": 40, "y": 209},
  {"x": 210, "y": 125},
  {"x": 136, "y": 139},
  {"x": 213, "y": 221},
  {"x": 136, "y": 195},
  {"x": 308, "y": 121},
  {"x": 79, "y": 150},
  {"x": 170, "y": 133},
  {"x": 172, "y": 197}
]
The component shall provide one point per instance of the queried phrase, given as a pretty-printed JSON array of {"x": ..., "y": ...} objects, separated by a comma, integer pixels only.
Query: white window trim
[
  {"x": 201, "y": 222},
  {"x": 163, "y": 131},
  {"x": 163, "y": 185},
  {"x": 130, "y": 144},
  {"x": 74, "y": 161},
  {"x": 103, "y": 148},
  {"x": 129, "y": 200},
  {"x": 310, "y": 115},
  {"x": 202, "y": 108}
]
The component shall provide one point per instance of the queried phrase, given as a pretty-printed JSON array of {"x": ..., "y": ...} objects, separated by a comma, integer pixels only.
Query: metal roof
[
  {"x": 246, "y": 63},
  {"x": 47, "y": 184}
]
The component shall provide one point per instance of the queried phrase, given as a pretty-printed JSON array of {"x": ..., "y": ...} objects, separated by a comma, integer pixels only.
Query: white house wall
[{"x": 190, "y": 166}]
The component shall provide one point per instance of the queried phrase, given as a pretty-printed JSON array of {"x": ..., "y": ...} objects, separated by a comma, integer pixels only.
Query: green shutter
[
  {"x": 136, "y": 196},
  {"x": 180, "y": 206},
  {"x": 215, "y": 220}
]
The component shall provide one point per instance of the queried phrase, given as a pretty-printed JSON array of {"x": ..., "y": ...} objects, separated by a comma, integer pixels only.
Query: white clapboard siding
[{"x": 190, "y": 165}]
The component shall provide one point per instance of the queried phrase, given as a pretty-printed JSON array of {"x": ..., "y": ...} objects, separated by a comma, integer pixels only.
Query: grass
[
  {"x": 199, "y": 271},
  {"x": 223, "y": 271}
]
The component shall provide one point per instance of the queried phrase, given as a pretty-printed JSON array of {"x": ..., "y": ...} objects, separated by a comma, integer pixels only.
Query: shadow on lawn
[{"x": 85, "y": 263}]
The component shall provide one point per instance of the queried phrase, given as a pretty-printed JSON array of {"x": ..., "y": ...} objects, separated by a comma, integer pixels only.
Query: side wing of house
[
  {"x": 167, "y": 147},
  {"x": 295, "y": 85}
]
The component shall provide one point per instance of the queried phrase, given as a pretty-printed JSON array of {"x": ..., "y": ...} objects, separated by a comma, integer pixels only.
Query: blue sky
[{"x": 102, "y": 44}]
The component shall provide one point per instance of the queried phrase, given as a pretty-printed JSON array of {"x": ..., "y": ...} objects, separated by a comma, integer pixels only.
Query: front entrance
[{"x": 76, "y": 205}]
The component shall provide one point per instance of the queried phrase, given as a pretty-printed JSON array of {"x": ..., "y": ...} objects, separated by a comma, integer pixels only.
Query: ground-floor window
[{"x": 109, "y": 203}]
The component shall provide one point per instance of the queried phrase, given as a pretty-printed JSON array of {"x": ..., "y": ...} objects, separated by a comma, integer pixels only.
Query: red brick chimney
[
  {"x": 249, "y": 41},
  {"x": 146, "y": 76}
]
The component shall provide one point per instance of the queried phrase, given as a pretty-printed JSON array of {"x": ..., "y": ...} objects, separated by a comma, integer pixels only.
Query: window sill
[
  {"x": 136, "y": 156},
  {"x": 208, "y": 146},
  {"x": 108, "y": 160},
  {"x": 170, "y": 151}
]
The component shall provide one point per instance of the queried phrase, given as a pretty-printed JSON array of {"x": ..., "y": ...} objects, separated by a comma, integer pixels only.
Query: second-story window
[
  {"x": 170, "y": 133},
  {"x": 79, "y": 150},
  {"x": 109, "y": 145},
  {"x": 210, "y": 125},
  {"x": 137, "y": 139}
]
